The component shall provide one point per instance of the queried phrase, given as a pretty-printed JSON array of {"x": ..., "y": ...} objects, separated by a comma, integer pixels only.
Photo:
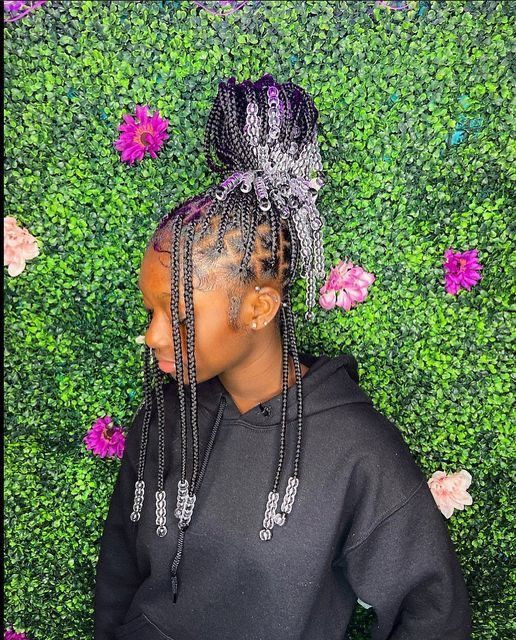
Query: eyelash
[{"x": 149, "y": 311}]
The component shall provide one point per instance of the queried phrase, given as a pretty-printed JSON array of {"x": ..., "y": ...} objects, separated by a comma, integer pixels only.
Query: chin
[{"x": 199, "y": 378}]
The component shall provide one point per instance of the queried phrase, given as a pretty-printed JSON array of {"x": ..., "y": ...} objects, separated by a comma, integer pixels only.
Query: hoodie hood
[{"x": 330, "y": 382}]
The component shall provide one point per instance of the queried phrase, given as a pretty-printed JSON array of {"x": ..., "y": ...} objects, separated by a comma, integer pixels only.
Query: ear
[{"x": 264, "y": 306}]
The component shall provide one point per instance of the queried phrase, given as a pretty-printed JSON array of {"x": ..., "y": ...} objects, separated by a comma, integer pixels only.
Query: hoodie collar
[{"x": 329, "y": 382}]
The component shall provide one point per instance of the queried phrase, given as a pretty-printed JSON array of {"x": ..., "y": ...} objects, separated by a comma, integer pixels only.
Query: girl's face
[{"x": 218, "y": 346}]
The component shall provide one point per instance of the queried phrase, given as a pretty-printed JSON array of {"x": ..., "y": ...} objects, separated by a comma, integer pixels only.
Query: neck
[{"x": 258, "y": 377}]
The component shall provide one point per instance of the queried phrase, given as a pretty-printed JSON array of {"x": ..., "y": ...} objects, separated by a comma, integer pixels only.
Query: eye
[{"x": 149, "y": 312}]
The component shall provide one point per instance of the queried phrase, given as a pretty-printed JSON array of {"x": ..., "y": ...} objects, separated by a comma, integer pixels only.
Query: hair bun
[{"x": 251, "y": 120}]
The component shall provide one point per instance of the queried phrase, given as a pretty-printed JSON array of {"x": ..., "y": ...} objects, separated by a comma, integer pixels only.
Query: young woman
[{"x": 261, "y": 493}]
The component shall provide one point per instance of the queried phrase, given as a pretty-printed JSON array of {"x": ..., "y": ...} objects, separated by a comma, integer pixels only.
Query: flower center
[
  {"x": 108, "y": 433},
  {"x": 144, "y": 137}
]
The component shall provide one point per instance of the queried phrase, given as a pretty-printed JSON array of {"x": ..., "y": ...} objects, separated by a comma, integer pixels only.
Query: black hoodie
[{"x": 364, "y": 526}]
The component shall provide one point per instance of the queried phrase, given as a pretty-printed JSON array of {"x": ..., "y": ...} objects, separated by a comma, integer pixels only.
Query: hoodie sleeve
[
  {"x": 117, "y": 576},
  {"x": 406, "y": 569}
]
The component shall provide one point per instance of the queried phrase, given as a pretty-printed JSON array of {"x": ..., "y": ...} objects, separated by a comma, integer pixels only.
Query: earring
[
  {"x": 254, "y": 325},
  {"x": 265, "y": 323},
  {"x": 257, "y": 288}
]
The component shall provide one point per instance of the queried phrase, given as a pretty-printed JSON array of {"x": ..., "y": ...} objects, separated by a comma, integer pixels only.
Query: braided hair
[{"x": 264, "y": 134}]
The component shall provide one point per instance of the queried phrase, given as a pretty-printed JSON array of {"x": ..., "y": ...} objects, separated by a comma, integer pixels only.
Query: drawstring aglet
[{"x": 174, "y": 589}]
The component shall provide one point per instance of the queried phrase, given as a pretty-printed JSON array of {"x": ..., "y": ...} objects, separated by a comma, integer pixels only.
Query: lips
[{"x": 167, "y": 366}]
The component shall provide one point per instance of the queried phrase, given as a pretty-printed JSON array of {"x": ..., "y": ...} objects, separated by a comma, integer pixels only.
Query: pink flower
[
  {"x": 19, "y": 246},
  {"x": 345, "y": 287},
  {"x": 450, "y": 491},
  {"x": 461, "y": 270},
  {"x": 148, "y": 134},
  {"x": 12, "y": 635},
  {"x": 104, "y": 439}
]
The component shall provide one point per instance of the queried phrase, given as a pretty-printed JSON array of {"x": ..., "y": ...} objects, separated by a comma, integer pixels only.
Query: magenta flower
[
  {"x": 461, "y": 270},
  {"x": 450, "y": 491},
  {"x": 345, "y": 287},
  {"x": 19, "y": 8},
  {"x": 148, "y": 134},
  {"x": 9, "y": 634},
  {"x": 104, "y": 439},
  {"x": 13, "y": 5}
]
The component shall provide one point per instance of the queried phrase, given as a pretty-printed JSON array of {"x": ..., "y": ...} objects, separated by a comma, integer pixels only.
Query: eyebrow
[{"x": 163, "y": 294}]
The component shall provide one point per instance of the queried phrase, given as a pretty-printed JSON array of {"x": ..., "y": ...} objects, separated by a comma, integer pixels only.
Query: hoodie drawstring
[{"x": 180, "y": 541}]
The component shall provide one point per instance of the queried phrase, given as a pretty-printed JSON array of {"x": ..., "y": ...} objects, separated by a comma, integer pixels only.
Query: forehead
[
  {"x": 155, "y": 274},
  {"x": 155, "y": 271}
]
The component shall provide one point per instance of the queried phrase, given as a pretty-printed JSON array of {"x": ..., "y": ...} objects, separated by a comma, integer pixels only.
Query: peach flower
[
  {"x": 19, "y": 246},
  {"x": 450, "y": 491}
]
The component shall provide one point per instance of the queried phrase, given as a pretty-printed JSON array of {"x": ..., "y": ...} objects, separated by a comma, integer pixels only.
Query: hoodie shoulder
[{"x": 383, "y": 472}]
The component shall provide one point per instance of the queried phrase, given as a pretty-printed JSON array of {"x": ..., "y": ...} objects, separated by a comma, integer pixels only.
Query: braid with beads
[{"x": 240, "y": 237}]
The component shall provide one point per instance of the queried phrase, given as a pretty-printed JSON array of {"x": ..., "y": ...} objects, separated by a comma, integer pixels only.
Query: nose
[
  {"x": 159, "y": 340},
  {"x": 158, "y": 337}
]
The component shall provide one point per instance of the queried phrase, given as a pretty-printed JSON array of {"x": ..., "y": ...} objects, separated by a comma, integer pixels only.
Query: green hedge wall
[{"x": 415, "y": 136}]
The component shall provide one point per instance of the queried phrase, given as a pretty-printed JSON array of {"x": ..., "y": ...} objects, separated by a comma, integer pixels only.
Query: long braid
[
  {"x": 190, "y": 344},
  {"x": 233, "y": 143},
  {"x": 285, "y": 371},
  {"x": 251, "y": 223},
  {"x": 140, "y": 483},
  {"x": 224, "y": 221},
  {"x": 233, "y": 112},
  {"x": 275, "y": 230},
  {"x": 174, "y": 311},
  {"x": 161, "y": 508},
  {"x": 299, "y": 387},
  {"x": 213, "y": 125},
  {"x": 186, "y": 491}
]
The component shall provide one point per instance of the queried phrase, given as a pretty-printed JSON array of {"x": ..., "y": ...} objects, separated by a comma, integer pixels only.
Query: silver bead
[
  {"x": 270, "y": 509},
  {"x": 161, "y": 513},
  {"x": 187, "y": 511},
  {"x": 290, "y": 494},
  {"x": 265, "y": 534},
  {"x": 182, "y": 492},
  {"x": 252, "y": 107},
  {"x": 139, "y": 492},
  {"x": 279, "y": 519}
]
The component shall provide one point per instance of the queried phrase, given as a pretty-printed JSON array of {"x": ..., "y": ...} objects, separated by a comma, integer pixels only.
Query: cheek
[
  {"x": 217, "y": 345},
  {"x": 215, "y": 339}
]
